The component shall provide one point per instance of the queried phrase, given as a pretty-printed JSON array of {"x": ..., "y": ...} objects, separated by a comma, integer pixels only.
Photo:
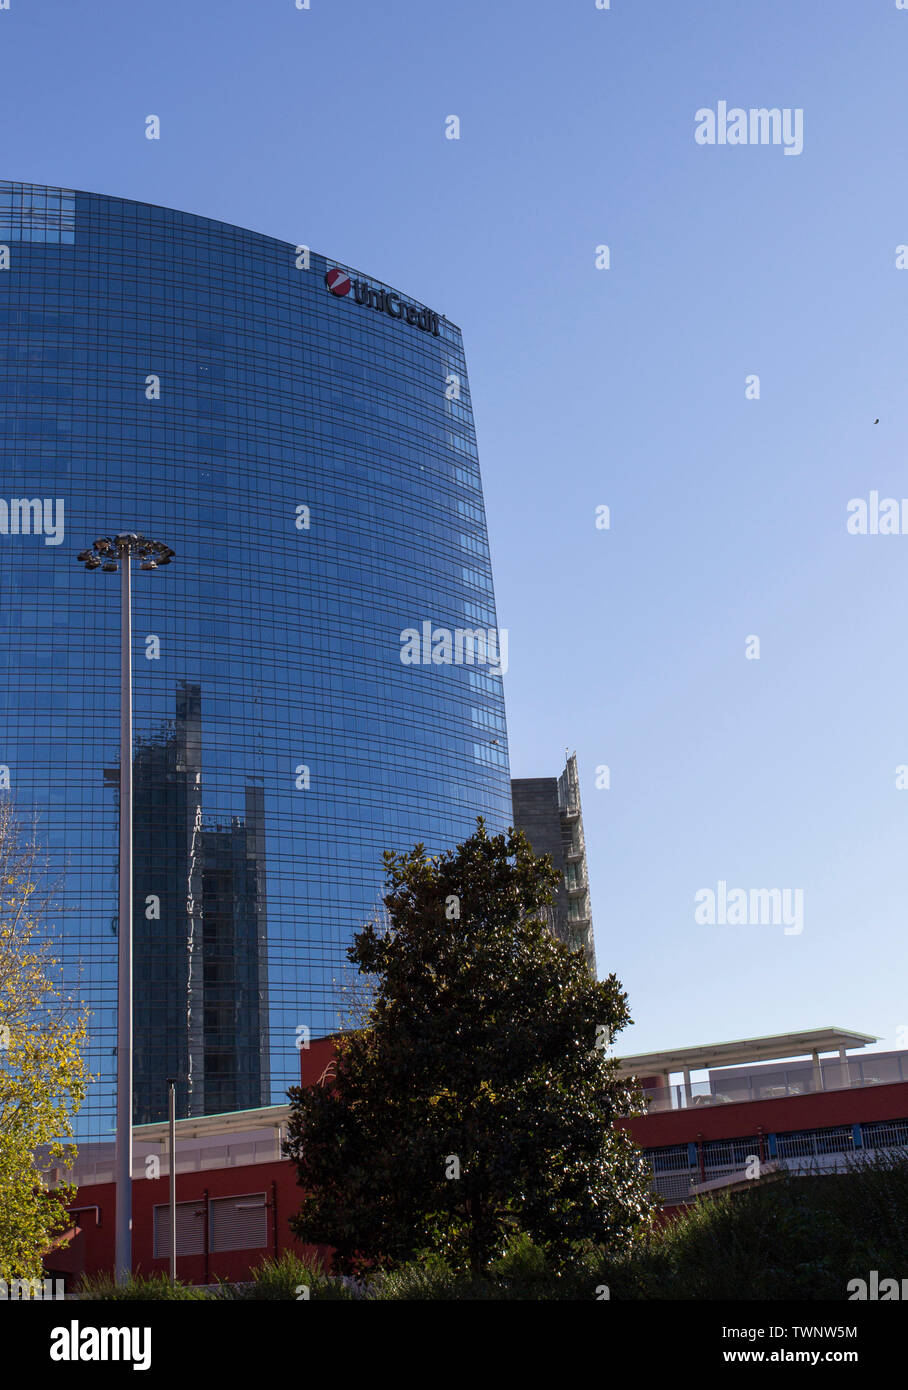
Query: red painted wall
[
  {"x": 819, "y": 1111},
  {"x": 92, "y": 1249},
  {"x": 317, "y": 1061}
]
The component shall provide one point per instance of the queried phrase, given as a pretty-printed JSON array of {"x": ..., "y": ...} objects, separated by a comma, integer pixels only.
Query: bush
[
  {"x": 522, "y": 1261},
  {"x": 522, "y": 1272},
  {"x": 793, "y": 1238},
  {"x": 286, "y": 1278},
  {"x": 140, "y": 1288}
]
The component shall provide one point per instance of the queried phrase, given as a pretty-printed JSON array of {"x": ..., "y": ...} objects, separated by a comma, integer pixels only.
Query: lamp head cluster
[{"x": 106, "y": 554}]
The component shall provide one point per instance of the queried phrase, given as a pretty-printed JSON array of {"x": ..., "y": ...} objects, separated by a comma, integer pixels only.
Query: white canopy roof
[{"x": 742, "y": 1051}]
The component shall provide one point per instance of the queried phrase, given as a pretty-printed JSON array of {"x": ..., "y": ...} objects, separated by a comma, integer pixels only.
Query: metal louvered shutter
[
  {"x": 239, "y": 1223},
  {"x": 190, "y": 1229}
]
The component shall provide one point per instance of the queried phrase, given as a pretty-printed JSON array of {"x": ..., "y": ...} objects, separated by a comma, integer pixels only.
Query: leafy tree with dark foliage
[{"x": 478, "y": 1101}]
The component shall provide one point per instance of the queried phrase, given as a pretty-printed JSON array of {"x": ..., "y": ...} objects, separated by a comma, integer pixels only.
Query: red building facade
[
  {"x": 760, "y": 1102},
  {"x": 235, "y": 1192}
]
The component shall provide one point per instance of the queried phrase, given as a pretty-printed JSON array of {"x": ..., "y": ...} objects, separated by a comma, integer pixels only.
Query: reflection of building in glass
[
  {"x": 235, "y": 999},
  {"x": 307, "y": 459},
  {"x": 199, "y": 939},
  {"x": 547, "y": 810}
]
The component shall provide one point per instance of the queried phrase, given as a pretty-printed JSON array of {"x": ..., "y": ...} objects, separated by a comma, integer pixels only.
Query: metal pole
[
  {"x": 124, "y": 937},
  {"x": 173, "y": 1179}
]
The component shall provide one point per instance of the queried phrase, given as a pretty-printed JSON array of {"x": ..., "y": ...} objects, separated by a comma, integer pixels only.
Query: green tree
[
  {"x": 478, "y": 1102},
  {"x": 42, "y": 1073}
]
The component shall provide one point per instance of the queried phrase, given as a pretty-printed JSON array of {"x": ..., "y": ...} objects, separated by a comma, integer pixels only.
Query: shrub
[
  {"x": 140, "y": 1288},
  {"x": 286, "y": 1278},
  {"x": 794, "y": 1238}
]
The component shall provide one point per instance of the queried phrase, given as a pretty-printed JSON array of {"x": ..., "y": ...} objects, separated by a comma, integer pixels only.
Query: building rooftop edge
[{"x": 233, "y": 226}]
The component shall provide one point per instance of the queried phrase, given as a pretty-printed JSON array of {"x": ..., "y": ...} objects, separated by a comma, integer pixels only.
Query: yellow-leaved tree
[{"x": 42, "y": 1073}]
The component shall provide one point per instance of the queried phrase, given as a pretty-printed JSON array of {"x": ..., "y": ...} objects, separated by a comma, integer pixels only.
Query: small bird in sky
[{"x": 876, "y": 422}]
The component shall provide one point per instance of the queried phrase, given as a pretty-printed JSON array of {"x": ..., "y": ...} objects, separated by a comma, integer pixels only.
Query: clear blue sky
[{"x": 622, "y": 387}]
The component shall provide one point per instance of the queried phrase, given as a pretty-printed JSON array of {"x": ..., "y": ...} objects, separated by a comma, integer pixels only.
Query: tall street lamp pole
[
  {"x": 172, "y": 1115},
  {"x": 111, "y": 555}
]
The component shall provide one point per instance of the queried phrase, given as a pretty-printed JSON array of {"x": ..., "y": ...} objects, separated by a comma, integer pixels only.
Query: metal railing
[
  {"x": 191, "y": 1158},
  {"x": 854, "y": 1074},
  {"x": 681, "y": 1183}
]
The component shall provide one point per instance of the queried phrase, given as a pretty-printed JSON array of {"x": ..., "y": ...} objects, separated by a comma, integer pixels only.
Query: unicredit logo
[
  {"x": 338, "y": 281},
  {"x": 384, "y": 301}
]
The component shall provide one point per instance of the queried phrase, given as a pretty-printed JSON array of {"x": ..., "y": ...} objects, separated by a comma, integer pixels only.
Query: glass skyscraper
[{"x": 302, "y": 436}]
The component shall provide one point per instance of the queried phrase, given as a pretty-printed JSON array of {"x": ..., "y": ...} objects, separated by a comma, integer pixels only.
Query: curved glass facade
[{"x": 302, "y": 437}]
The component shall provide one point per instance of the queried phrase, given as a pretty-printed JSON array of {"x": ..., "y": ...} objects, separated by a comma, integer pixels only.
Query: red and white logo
[{"x": 338, "y": 281}]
